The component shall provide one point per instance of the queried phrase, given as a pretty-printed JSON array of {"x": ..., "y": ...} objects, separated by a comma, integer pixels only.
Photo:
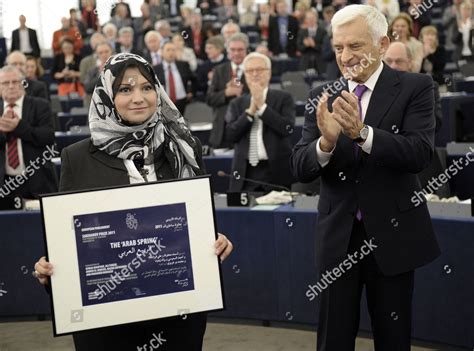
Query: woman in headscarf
[{"x": 137, "y": 135}]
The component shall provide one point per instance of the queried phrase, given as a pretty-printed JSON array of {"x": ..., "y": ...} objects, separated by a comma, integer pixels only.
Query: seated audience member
[
  {"x": 300, "y": 10},
  {"x": 24, "y": 39},
  {"x": 209, "y": 30},
  {"x": 282, "y": 31},
  {"x": 152, "y": 52},
  {"x": 66, "y": 69},
  {"x": 26, "y": 136},
  {"x": 125, "y": 43},
  {"x": 183, "y": 53},
  {"x": 401, "y": 29},
  {"x": 398, "y": 57},
  {"x": 420, "y": 15},
  {"x": 89, "y": 15},
  {"x": 122, "y": 17},
  {"x": 227, "y": 12},
  {"x": 248, "y": 13},
  {"x": 34, "y": 69},
  {"x": 228, "y": 82},
  {"x": 259, "y": 124},
  {"x": 142, "y": 25},
  {"x": 127, "y": 10},
  {"x": 164, "y": 28},
  {"x": 67, "y": 31},
  {"x": 434, "y": 55},
  {"x": 215, "y": 56},
  {"x": 310, "y": 42},
  {"x": 176, "y": 76},
  {"x": 103, "y": 51},
  {"x": 160, "y": 10},
  {"x": 263, "y": 20},
  {"x": 110, "y": 31},
  {"x": 90, "y": 61},
  {"x": 328, "y": 13},
  {"x": 195, "y": 36},
  {"x": 228, "y": 30},
  {"x": 462, "y": 33},
  {"x": 32, "y": 87}
]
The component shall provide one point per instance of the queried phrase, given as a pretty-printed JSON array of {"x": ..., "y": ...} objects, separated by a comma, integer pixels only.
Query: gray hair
[
  {"x": 162, "y": 23},
  {"x": 239, "y": 37},
  {"x": 7, "y": 69},
  {"x": 230, "y": 24},
  {"x": 217, "y": 41},
  {"x": 111, "y": 26},
  {"x": 125, "y": 30},
  {"x": 152, "y": 33},
  {"x": 375, "y": 20},
  {"x": 257, "y": 55},
  {"x": 105, "y": 42},
  {"x": 18, "y": 53}
]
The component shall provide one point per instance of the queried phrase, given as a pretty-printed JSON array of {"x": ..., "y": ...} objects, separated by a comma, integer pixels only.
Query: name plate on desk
[
  {"x": 243, "y": 199},
  {"x": 130, "y": 254},
  {"x": 10, "y": 203}
]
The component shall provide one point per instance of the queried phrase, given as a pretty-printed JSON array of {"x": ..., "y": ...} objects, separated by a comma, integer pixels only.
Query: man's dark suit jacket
[
  {"x": 33, "y": 42},
  {"x": 187, "y": 77},
  {"x": 203, "y": 70},
  {"x": 218, "y": 101},
  {"x": 278, "y": 124},
  {"x": 274, "y": 36},
  {"x": 381, "y": 184},
  {"x": 37, "y": 88},
  {"x": 36, "y": 132},
  {"x": 311, "y": 57}
]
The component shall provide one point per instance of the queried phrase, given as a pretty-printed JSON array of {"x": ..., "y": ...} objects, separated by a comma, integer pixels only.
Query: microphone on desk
[{"x": 221, "y": 173}]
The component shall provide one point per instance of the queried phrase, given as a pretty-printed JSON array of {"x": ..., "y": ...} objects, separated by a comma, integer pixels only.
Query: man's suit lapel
[
  {"x": 386, "y": 90},
  {"x": 26, "y": 112}
]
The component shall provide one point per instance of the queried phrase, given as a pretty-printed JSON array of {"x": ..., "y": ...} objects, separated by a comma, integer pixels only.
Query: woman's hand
[
  {"x": 43, "y": 270},
  {"x": 223, "y": 247}
]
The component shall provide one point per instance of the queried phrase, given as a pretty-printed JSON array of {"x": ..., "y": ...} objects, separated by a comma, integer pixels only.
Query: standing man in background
[
  {"x": 259, "y": 124},
  {"x": 228, "y": 82},
  {"x": 24, "y": 39}
]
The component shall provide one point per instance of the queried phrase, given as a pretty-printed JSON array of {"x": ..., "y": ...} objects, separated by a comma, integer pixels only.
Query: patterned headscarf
[{"x": 164, "y": 134}]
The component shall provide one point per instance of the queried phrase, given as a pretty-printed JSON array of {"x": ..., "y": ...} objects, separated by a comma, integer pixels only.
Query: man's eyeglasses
[
  {"x": 7, "y": 84},
  {"x": 256, "y": 70}
]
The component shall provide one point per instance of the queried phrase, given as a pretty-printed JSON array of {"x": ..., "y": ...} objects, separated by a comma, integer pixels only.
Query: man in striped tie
[
  {"x": 260, "y": 125},
  {"x": 26, "y": 137}
]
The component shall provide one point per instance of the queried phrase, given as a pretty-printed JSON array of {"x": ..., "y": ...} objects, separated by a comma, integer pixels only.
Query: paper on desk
[{"x": 275, "y": 198}]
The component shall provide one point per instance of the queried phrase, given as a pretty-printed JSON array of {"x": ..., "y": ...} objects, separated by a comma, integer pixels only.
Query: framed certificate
[{"x": 132, "y": 253}]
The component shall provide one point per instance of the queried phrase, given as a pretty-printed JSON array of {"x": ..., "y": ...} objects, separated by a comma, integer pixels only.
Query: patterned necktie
[
  {"x": 359, "y": 91},
  {"x": 253, "y": 144},
  {"x": 12, "y": 146},
  {"x": 172, "y": 88}
]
